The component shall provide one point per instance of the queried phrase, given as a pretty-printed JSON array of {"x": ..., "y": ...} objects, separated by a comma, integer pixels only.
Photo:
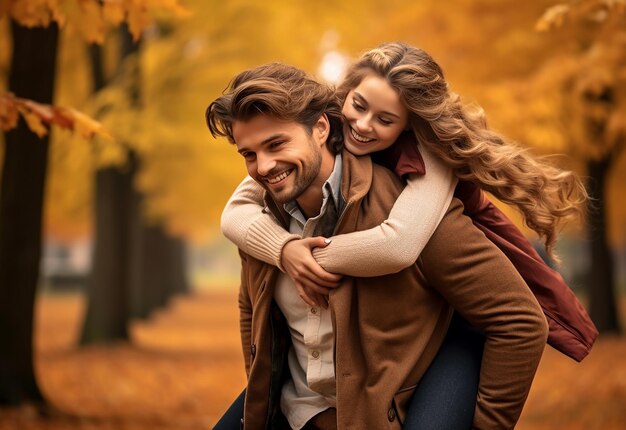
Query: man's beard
[{"x": 303, "y": 179}]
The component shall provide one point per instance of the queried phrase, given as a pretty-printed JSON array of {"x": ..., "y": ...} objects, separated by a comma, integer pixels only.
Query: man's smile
[{"x": 273, "y": 180}]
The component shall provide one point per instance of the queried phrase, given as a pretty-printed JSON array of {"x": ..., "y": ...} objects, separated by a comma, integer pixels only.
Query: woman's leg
[
  {"x": 231, "y": 420},
  {"x": 446, "y": 395}
]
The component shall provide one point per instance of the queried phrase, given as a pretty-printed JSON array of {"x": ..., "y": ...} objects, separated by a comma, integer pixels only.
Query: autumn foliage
[
  {"x": 40, "y": 117},
  {"x": 185, "y": 366},
  {"x": 89, "y": 18},
  {"x": 551, "y": 76}
]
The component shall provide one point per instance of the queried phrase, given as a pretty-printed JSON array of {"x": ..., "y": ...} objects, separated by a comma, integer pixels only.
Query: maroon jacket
[{"x": 571, "y": 330}]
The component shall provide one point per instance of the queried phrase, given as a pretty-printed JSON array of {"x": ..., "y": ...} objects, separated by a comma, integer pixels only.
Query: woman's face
[{"x": 374, "y": 116}]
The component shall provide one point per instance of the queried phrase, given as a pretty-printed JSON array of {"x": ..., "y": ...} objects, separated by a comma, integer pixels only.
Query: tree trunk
[
  {"x": 110, "y": 281},
  {"x": 135, "y": 268},
  {"x": 161, "y": 273},
  {"x": 601, "y": 282},
  {"x": 179, "y": 283},
  {"x": 21, "y": 203},
  {"x": 117, "y": 221}
]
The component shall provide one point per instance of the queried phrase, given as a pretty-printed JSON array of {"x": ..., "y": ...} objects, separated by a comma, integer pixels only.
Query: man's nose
[{"x": 265, "y": 164}]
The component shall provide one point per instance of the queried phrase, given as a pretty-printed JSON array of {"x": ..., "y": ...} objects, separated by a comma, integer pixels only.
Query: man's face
[{"x": 280, "y": 155}]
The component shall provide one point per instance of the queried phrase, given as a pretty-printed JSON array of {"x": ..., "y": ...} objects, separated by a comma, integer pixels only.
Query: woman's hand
[{"x": 312, "y": 281}]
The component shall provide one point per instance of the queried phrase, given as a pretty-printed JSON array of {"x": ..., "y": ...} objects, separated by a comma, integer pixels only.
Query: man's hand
[{"x": 312, "y": 281}]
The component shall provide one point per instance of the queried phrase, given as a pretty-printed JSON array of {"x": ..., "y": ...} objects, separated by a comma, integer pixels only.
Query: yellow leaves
[
  {"x": 39, "y": 117},
  {"x": 89, "y": 17},
  {"x": 34, "y": 114},
  {"x": 69, "y": 186},
  {"x": 33, "y": 121},
  {"x": 596, "y": 11},
  {"x": 618, "y": 6},
  {"x": 107, "y": 154},
  {"x": 84, "y": 125},
  {"x": 138, "y": 19},
  {"x": 589, "y": 79},
  {"x": 114, "y": 12},
  {"x": 553, "y": 17},
  {"x": 28, "y": 13},
  {"x": 85, "y": 17}
]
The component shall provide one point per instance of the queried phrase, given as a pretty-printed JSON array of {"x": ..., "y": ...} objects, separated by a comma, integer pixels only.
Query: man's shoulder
[
  {"x": 385, "y": 181},
  {"x": 457, "y": 239},
  {"x": 363, "y": 169},
  {"x": 453, "y": 220},
  {"x": 384, "y": 172}
]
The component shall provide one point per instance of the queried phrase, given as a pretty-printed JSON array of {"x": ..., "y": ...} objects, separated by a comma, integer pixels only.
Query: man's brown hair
[{"x": 281, "y": 91}]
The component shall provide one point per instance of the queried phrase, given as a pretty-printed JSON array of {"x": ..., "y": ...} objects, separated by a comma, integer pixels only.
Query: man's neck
[{"x": 310, "y": 201}]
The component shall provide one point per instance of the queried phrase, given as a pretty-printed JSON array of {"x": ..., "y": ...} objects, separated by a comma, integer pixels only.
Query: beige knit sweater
[{"x": 387, "y": 248}]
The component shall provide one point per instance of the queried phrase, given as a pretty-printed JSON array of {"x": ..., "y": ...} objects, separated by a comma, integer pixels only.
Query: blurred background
[{"x": 117, "y": 291}]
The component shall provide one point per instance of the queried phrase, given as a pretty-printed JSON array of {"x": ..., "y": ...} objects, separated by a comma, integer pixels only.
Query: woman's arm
[
  {"x": 253, "y": 231},
  {"x": 397, "y": 242},
  {"x": 259, "y": 234}
]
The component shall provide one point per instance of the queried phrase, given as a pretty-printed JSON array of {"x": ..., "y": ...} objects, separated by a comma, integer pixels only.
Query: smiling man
[
  {"x": 356, "y": 363},
  {"x": 291, "y": 162}
]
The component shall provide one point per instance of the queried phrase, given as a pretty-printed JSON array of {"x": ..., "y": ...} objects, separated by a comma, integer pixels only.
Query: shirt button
[
  {"x": 315, "y": 354},
  {"x": 314, "y": 311},
  {"x": 391, "y": 414}
]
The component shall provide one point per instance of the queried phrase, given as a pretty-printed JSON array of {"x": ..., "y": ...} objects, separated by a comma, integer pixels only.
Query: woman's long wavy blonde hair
[{"x": 545, "y": 194}]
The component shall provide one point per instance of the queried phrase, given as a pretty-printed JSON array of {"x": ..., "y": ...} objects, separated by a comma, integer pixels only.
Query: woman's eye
[
  {"x": 385, "y": 121},
  {"x": 358, "y": 107}
]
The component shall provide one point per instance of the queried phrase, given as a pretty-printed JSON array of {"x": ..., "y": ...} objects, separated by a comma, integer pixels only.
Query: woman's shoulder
[{"x": 403, "y": 157}]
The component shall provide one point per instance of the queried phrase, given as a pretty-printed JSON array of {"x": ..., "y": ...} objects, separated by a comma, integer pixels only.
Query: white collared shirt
[{"x": 312, "y": 387}]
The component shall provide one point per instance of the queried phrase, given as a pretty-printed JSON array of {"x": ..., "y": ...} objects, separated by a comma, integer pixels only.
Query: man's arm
[
  {"x": 245, "y": 314},
  {"x": 475, "y": 277}
]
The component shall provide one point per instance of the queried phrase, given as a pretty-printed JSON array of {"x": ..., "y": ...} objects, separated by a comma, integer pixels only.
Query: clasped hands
[{"x": 313, "y": 283}]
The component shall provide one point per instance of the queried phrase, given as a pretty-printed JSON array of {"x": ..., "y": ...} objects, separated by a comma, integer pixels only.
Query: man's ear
[{"x": 322, "y": 128}]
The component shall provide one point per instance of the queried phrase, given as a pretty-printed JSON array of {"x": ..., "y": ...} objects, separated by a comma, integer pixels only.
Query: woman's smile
[{"x": 360, "y": 138}]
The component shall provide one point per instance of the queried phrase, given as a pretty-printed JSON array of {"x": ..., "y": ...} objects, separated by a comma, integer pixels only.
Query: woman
[{"x": 396, "y": 95}]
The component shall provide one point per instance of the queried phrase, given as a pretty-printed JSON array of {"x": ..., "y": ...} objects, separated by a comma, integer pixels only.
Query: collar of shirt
[{"x": 330, "y": 189}]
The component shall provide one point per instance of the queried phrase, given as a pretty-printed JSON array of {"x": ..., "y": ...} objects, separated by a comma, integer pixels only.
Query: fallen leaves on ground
[{"x": 184, "y": 367}]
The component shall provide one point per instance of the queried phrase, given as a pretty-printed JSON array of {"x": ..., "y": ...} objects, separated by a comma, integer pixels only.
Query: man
[{"x": 356, "y": 364}]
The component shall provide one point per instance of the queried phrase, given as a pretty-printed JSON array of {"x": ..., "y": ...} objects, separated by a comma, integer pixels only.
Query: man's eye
[
  {"x": 249, "y": 156},
  {"x": 275, "y": 145}
]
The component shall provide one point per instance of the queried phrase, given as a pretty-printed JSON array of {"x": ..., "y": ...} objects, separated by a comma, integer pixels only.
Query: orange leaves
[
  {"x": 28, "y": 13},
  {"x": 39, "y": 117},
  {"x": 553, "y": 17},
  {"x": 89, "y": 18},
  {"x": 114, "y": 12},
  {"x": 8, "y": 112},
  {"x": 589, "y": 10},
  {"x": 191, "y": 351},
  {"x": 593, "y": 86}
]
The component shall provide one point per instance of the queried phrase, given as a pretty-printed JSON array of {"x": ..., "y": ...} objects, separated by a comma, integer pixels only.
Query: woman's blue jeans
[{"x": 446, "y": 395}]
